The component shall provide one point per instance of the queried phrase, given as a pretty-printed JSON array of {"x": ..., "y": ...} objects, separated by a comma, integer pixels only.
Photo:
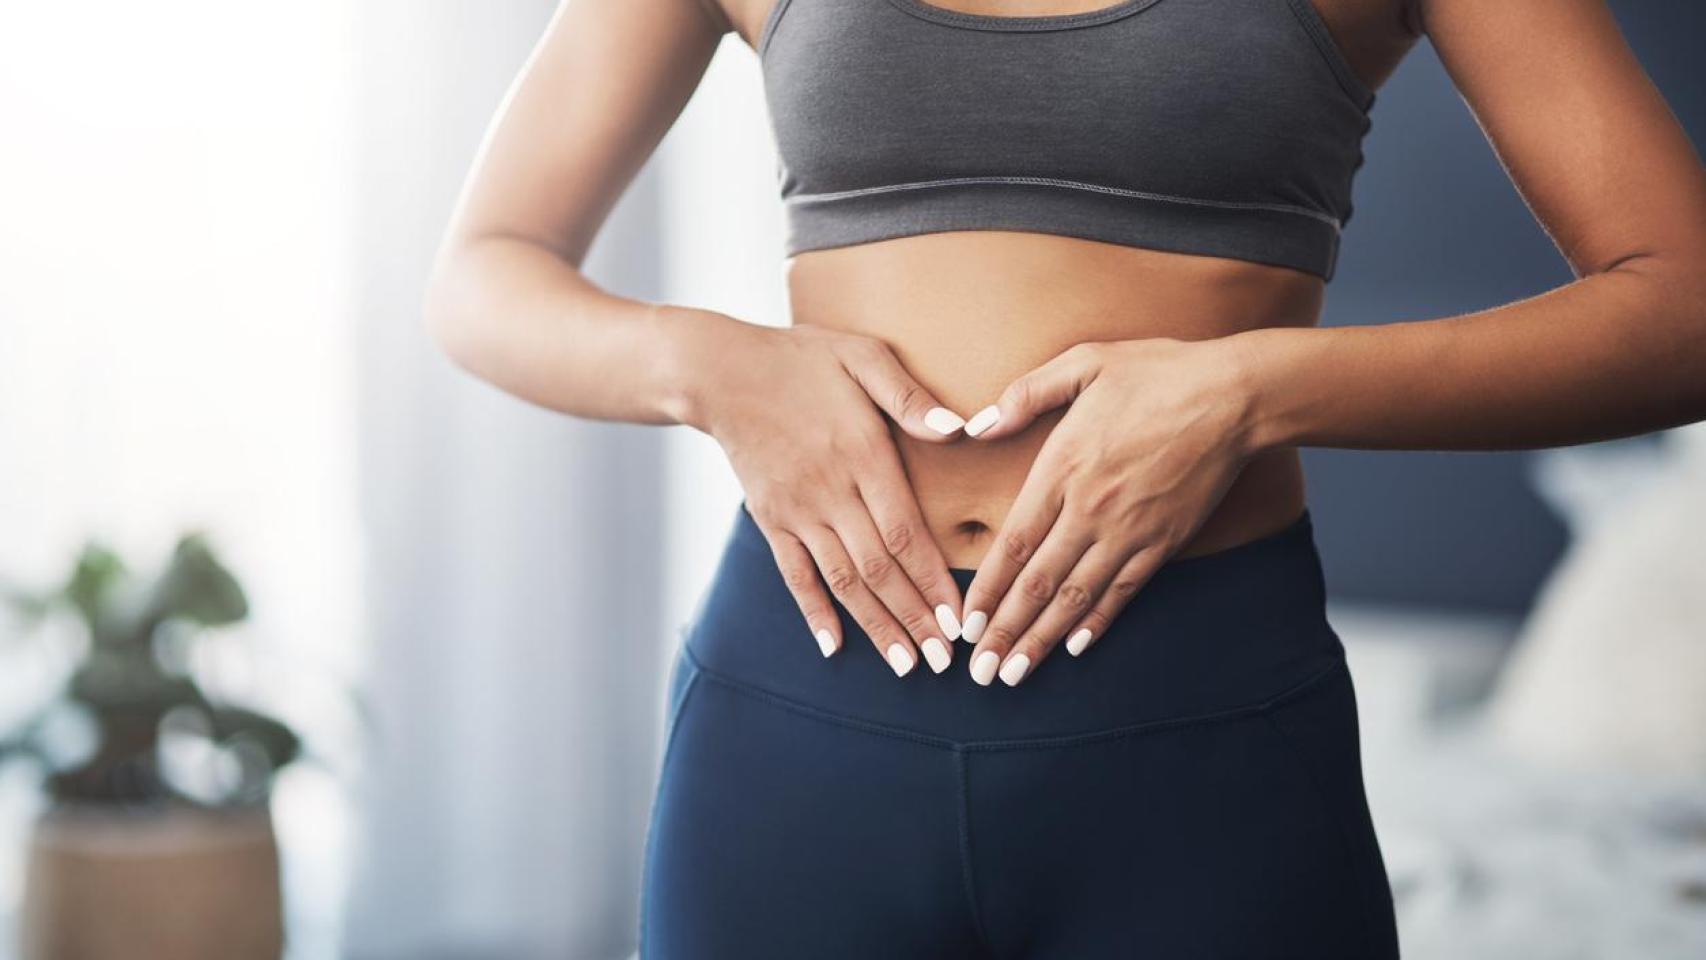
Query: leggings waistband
[{"x": 1208, "y": 636}]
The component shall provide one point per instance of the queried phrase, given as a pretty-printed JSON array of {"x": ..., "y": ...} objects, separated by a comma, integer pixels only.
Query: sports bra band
[{"x": 1228, "y": 128}]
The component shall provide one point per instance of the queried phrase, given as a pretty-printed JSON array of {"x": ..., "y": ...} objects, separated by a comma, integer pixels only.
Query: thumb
[
  {"x": 879, "y": 373},
  {"x": 1054, "y": 384}
]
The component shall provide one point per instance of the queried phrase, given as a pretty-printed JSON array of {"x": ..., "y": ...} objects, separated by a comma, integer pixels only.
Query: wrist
[
  {"x": 688, "y": 382},
  {"x": 1260, "y": 360},
  {"x": 679, "y": 367}
]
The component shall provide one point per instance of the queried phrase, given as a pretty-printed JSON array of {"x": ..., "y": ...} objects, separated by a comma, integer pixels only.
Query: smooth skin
[{"x": 1147, "y": 405}]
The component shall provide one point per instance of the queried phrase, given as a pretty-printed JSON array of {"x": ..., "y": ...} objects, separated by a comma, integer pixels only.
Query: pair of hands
[{"x": 1154, "y": 434}]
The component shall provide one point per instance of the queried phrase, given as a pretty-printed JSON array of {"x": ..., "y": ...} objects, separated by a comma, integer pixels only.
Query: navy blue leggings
[{"x": 1191, "y": 787}]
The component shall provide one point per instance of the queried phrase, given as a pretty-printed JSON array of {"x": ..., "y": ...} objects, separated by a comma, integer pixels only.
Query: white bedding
[{"x": 1492, "y": 858}]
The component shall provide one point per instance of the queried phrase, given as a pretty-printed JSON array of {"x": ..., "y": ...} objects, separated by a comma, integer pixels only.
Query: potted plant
[{"x": 156, "y": 839}]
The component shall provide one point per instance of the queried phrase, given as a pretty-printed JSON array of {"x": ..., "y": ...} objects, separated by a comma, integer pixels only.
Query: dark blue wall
[{"x": 1439, "y": 230}]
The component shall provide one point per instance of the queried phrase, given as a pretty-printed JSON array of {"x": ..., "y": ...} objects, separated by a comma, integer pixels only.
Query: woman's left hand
[{"x": 1156, "y": 432}]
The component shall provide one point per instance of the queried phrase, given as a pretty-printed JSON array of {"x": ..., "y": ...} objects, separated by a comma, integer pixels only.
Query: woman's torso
[{"x": 969, "y": 311}]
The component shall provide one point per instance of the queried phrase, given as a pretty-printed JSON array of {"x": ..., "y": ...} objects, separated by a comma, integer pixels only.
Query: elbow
[
  {"x": 1695, "y": 298},
  {"x": 1685, "y": 296},
  {"x": 443, "y": 317},
  {"x": 1687, "y": 291},
  {"x": 1667, "y": 292},
  {"x": 1696, "y": 292}
]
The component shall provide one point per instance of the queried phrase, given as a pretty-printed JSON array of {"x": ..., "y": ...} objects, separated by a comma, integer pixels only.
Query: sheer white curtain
[
  {"x": 528, "y": 574},
  {"x": 514, "y": 560}
]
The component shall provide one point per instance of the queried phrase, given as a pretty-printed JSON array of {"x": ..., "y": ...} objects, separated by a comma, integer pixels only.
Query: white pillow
[{"x": 1610, "y": 670}]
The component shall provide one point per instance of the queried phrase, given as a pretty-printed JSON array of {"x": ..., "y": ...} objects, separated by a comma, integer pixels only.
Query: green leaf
[
  {"x": 94, "y": 582},
  {"x": 196, "y": 587},
  {"x": 280, "y": 744}
]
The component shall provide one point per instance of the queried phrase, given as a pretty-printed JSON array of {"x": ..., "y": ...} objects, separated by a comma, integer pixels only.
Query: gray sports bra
[{"x": 1230, "y": 128}]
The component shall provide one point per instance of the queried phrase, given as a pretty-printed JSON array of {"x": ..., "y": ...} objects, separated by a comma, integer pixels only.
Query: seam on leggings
[
  {"x": 817, "y": 713},
  {"x": 679, "y": 710},
  {"x": 1028, "y": 743},
  {"x": 1347, "y": 848},
  {"x": 961, "y": 778},
  {"x": 676, "y": 715}
]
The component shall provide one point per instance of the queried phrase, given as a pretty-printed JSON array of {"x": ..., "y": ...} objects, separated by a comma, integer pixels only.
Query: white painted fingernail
[
  {"x": 983, "y": 668},
  {"x": 900, "y": 660},
  {"x": 973, "y": 630},
  {"x": 943, "y": 421},
  {"x": 949, "y": 623},
  {"x": 937, "y": 655},
  {"x": 983, "y": 420},
  {"x": 1015, "y": 669},
  {"x": 1078, "y": 643},
  {"x": 826, "y": 642}
]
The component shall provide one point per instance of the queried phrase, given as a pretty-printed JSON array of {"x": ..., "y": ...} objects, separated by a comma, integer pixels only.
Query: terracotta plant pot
[{"x": 178, "y": 885}]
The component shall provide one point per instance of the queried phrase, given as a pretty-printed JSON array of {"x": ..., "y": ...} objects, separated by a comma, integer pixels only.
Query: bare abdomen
[{"x": 970, "y": 312}]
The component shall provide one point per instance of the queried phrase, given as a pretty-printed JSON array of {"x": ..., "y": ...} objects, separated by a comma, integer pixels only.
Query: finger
[
  {"x": 894, "y": 509},
  {"x": 847, "y": 586},
  {"x": 1069, "y": 606},
  {"x": 1052, "y": 385},
  {"x": 800, "y": 573},
  {"x": 1131, "y": 577},
  {"x": 1028, "y": 521},
  {"x": 1034, "y": 588},
  {"x": 884, "y": 577},
  {"x": 880, "y": 374}
]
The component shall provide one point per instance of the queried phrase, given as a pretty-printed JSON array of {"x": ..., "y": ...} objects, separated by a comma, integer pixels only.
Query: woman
[{"x": 1056, "y": 266}]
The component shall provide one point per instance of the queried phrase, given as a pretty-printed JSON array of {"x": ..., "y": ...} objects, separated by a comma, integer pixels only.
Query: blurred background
[{"x": 310, "y": 638}]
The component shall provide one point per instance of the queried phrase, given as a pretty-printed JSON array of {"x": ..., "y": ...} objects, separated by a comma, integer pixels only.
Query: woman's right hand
[{"x": 799, "y": 411}]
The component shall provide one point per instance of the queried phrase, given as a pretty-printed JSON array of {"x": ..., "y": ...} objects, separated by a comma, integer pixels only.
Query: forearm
[
  {"x": 1615, "y": 354},
  {"x": 515, "y": 314}
]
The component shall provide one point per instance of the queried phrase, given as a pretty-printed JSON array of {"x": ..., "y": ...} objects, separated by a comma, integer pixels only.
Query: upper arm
[
  {"x": 596, "y": 96},
  {"x": 1583, "y": 132}
]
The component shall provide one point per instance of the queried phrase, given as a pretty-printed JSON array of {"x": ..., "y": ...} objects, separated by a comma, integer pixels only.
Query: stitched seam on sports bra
[
  {"x": 802, "y": 198},
  {"x": 1332, "y": 53},
  {"x": 1061, "y": 21},
  {"x": 759, "y": 693},
  {"x": 769, "y": 29}
]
